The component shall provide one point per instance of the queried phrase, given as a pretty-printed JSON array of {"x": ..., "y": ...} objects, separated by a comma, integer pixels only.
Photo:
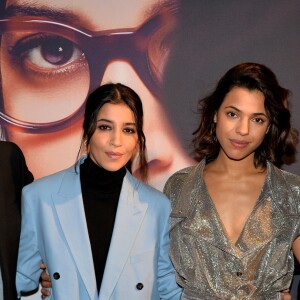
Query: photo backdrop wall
[{"x": 171, "y": 52}]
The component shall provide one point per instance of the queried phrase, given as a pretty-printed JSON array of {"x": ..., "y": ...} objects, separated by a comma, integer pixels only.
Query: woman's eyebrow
[
  {"x": 66, "y": 16},
  {"x": 104, "y": 120},
  {"x": 110, "y": 121},
  {"x": 254, "y": 114},
  {"x": 35, "y": 11},
  {"x": 232, "y": 107}
]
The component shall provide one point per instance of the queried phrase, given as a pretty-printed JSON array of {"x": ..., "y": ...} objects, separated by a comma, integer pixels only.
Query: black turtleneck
[{"x": 100, "y": 191}]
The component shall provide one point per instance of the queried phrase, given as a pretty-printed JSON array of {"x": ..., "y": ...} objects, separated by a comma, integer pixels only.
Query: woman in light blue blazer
[{"x": 102, "y": 233}]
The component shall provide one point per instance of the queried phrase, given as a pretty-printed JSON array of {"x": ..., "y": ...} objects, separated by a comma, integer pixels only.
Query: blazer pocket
[{"x": 145, "y": 256}]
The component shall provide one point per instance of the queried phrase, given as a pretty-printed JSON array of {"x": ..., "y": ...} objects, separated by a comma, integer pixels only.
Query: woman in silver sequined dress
[{"x": 235, "y": 221}]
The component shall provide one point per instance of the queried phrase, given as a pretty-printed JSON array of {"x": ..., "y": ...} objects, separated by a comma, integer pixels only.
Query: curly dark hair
[
  {"x": 281, "y": 140},
  {"x": 116, "y": 93}
]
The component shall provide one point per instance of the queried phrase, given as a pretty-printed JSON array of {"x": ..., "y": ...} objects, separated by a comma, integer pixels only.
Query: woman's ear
[
  {"x": 136, "y": 150},
  {"x": 215, "y": 118},
  {"x": 268, "y": 128}
]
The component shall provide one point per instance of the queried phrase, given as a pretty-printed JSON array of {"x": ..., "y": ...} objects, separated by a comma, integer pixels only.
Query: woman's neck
[{"x": 223, "y": 164}]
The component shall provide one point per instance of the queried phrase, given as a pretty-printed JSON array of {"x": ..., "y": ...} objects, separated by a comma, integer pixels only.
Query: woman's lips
[
  {"x": 239, "y": 144},
  {"x": 114, "y": 155}
]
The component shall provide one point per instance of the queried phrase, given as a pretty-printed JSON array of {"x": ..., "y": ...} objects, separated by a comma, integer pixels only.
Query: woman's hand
[
  {"x": 285, "y": 295},
  {"x": 45, "y": 282}
]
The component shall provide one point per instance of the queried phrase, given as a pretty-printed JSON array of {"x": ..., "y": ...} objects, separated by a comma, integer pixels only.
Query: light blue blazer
[{"x": 54, "y": 231}]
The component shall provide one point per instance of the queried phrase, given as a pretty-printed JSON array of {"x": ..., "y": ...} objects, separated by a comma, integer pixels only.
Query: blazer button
[
  {"x": 56, "y": 276},
  {"x": 139, "y": 286}
]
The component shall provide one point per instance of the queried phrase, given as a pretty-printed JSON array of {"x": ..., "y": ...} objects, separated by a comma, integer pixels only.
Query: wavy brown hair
[{"x": 280, "y": 142}]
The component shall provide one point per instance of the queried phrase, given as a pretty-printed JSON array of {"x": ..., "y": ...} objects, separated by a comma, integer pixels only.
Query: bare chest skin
[{"x": 234, "y": 197}]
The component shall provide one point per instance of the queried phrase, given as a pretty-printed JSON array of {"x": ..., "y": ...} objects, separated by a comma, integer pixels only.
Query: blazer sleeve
[
  {"x": 167, "y": 285},
  {"x": 29, "y": 259}
]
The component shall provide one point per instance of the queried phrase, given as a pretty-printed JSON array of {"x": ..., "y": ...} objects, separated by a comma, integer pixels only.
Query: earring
[
  {"x": 215, "y": 118},
  {"x": 213, "y": 132}
]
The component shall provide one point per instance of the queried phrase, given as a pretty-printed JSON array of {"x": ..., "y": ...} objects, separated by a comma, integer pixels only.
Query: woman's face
[
  {"x": 46, "y": 76},
  {"x": 115, "y": 140},
  {"x": 241, "y": 123}
]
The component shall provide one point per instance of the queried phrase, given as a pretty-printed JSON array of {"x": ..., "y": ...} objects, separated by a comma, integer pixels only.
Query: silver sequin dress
[{"x": 208, "y": 265}]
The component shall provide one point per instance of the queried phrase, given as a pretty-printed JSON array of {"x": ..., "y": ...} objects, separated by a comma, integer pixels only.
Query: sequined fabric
[{"x": 208, "y": 265}]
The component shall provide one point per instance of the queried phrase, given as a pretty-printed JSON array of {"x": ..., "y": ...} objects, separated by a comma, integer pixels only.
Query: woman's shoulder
[
  {"x": 292, "y": 182},
  {"x": 49, "y": 182},
  {"x": 156, "y": 203},
  {"x": 286, "y": 185},
  {"x": 289, "y": 178},
  {"x": 143, "y": 187},
  {"x": 180, "y": 177}
]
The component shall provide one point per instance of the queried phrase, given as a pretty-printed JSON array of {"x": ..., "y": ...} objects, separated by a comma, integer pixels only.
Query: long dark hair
[
  {"x": 115, "y": 93},
  {"x": 278, "y": 144}
]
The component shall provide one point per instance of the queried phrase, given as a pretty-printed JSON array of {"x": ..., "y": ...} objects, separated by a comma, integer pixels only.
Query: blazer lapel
[
  {"x": 70, "y": 212},
  {"x": 130, "y": 214}
]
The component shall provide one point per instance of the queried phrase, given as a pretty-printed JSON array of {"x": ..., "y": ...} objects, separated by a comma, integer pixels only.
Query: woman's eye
[
  {"x": 46, "y": 51},
  {"x": 232, "y": 114},
  {"x": 104, "y": 127},
  {"x": 56, "y": 51},
  {"x": 50, "y": 71},
  {"x": 258, "y": 120},
  {"x": 129, "y": 130}
]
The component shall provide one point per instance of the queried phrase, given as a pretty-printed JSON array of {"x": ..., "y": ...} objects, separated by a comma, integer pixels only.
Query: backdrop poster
[{"x": 53, "y": 53}]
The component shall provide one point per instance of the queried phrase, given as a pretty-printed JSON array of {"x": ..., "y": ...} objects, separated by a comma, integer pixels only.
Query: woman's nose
[
  {"x": 243, "y": 127},
  {"x": 116, "y": 138}
]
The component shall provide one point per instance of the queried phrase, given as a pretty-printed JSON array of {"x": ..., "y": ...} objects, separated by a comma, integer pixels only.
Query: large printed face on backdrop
[{"x": 54, "y": 52}]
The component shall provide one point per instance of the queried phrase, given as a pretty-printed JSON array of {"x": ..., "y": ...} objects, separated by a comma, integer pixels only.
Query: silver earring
[{"x": 213, "y": 132}]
